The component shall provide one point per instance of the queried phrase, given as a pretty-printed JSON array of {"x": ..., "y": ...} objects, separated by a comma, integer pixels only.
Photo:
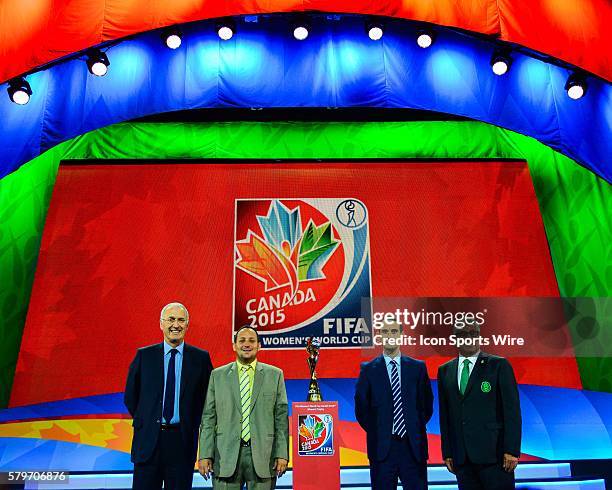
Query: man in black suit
[
  {"x": 393, "y": 403},
  {"x": 480, "y": 416},
  {"x": 165, "y": 392}
]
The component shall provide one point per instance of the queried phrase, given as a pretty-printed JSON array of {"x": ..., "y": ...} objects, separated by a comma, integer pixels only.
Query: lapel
[
  {"x": 383, "y": 374},
  {"x": 159, "y": 368},
  {"x": 481, "y": 362},
  {"x": 184, "y": 370},
  {"x": 232, "y": 379},
  {"x": 451, "y": 375},
  {"x": 257, "y": 382}
]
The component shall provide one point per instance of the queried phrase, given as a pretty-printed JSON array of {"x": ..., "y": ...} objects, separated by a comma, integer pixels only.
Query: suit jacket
[
  {"x": 144, "y": 397},
  {"x": 374, "y": 406},
  {"x": 221, "y": 420},
  {"x": 485, "y": 422}
]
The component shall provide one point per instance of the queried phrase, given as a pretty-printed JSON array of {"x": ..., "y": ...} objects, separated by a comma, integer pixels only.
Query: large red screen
[{"x": 120, "y": 241}]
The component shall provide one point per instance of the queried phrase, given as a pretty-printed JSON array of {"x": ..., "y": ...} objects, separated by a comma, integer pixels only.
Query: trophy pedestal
[{"x": 316, "y": 452}]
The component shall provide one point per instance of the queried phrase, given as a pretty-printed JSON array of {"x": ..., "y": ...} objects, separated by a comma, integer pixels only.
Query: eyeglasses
[{"x": 171, "y": 320}]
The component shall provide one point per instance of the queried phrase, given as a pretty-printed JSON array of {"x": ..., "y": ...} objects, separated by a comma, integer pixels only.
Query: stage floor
[{"x": 534, "y": 476}]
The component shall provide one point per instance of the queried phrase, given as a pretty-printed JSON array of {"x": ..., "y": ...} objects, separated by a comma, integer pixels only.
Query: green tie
[
  {"x": 465, "y": 376},
  {"x": 245, "y": 402}
]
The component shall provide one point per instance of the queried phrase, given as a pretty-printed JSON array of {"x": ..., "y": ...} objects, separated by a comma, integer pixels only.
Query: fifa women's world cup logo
[
  {"x": 316, "y": 435},
  {"x": 301, "y": 268}
]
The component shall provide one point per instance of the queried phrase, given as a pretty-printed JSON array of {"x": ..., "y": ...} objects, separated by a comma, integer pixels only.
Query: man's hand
[
  {"x": 205, "y": 467},
  {"x": 449, "y": 465},
  {"x": 510, "y": 462},
  {"x": 280, "y": 466}
]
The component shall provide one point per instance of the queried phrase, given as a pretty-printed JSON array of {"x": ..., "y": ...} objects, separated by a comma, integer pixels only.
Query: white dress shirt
[
  {"x": 397, "y": 360},
  {"x": 472, "y": 360}
]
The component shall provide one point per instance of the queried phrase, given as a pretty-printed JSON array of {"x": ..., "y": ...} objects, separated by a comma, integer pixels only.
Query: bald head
[{"x": 174, "y": 305}]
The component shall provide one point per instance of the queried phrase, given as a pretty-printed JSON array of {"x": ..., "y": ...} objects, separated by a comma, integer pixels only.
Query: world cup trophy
[{"x": 313, "y": 344}]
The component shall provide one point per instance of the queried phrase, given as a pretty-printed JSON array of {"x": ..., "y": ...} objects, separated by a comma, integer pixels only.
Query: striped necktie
[
  {"x": 245, "y": 402},
  {"x": 399, "y": 427}
]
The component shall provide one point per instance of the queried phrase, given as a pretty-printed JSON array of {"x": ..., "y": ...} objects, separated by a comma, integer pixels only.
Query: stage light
[
  {"x": 19, "y": 91},
  {"x": 97, "y": 63},
  {"x": 576, "y": 86},
  {"x": 375, "y": 31},
  {"x": 425, "y": 38},
  {"x": 173, "y": 38},
  {"x": 225, "y": 30},
  {"x": 300, "y": 30},
  {"x": 300, "y": 33},
  {"x": 500, "y": 63}
]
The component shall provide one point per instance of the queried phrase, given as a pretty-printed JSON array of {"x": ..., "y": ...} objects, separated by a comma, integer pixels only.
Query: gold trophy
[{"x": 313, "y": 344}]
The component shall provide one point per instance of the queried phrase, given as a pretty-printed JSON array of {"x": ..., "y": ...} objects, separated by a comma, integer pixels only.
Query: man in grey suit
[{"x": 244, "y": 434}]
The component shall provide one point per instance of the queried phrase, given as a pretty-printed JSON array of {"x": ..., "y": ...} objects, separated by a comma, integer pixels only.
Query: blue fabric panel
[{"x": 337, "y": 66}]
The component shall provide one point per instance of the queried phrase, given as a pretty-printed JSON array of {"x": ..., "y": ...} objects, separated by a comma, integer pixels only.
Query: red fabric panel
[
  {"x": 22, "y": 27},
  {"x": 576, "y": 31},
  {"x": 35, "y": 32},
  {"x": 121, "y": 241},
  {"x": 125, "y": 17},
  {"x": 73, "y": 26},
  {"x": 38, "y": 31}
]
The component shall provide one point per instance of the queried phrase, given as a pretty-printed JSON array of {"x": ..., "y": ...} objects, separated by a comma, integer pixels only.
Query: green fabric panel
[
  {"x": 24, "y": 198},
  {"x": 573, "y": 200}
]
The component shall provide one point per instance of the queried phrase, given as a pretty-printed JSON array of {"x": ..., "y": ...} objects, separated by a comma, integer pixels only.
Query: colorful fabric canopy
[
  {"x": 337, "y": 66},
  {"x": 38, "y": 31}
]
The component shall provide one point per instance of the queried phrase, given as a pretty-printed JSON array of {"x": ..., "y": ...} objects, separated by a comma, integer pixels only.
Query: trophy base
[
  {"x": 314, "y": 397},
  {"x": 314, "y": 393}
]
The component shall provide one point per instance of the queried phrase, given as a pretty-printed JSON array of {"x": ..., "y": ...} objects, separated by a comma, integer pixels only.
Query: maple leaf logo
[
  {"x": 309, "y": 429},
  {"x": 306, "y": 433},
  {"x": 286, "y": 255},
  {"x": 266, "y": 263}
]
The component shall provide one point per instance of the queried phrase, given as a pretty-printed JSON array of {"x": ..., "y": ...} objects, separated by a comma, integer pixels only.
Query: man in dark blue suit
[
  {"x": 393, "y": 403},
  {"x": 165, "y": 393}
]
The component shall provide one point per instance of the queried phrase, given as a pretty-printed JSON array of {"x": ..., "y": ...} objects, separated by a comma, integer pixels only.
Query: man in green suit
[{"x": 244, "y": 434}]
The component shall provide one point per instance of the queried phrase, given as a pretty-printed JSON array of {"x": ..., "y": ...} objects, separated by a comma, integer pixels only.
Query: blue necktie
[
  {"x": 170, "y": 387},
  {"x": 399, "y": 427}
]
